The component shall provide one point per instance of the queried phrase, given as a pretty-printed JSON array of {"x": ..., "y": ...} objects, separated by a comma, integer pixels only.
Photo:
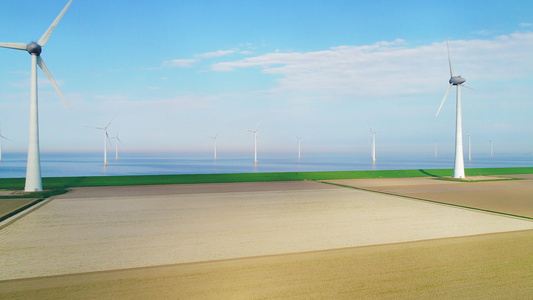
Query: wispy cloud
[
  {"x": 392, "y": 68},
  {"x": 180, "y": 63},
  {"x": 526, "y": 24},
  {"x": 215, "y": 53}
]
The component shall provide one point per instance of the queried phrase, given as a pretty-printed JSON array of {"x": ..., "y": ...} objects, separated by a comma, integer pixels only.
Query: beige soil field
[
  {"x": 265, "y": 240},
  {"x": 509, "y": 196}
]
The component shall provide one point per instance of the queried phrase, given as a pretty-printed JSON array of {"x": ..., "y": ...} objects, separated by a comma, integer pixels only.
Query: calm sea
[{"x": 13, "y": 165}]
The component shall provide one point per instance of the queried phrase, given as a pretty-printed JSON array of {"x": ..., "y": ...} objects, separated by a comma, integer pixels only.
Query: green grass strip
[{"x": 50, "y": 183}]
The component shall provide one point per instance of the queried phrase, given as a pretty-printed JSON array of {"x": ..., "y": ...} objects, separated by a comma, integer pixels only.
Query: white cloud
[
  {"x": 216, "y": 53},
  {"x": 526, "y": 24},
  {"x": 180, "y": 62},
  {"x": 392, "y": 68}
]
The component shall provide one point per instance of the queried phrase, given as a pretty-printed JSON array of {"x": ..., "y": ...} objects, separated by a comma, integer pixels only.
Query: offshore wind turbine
[
  {"x": 459, "y": 167},
  {"x": 2, "y": 137},
  {"x": 255, "y": 142},
  {"x": 106, "y": 138},
  {"x": 116, "y": 145},
  {"x": 33, "y": 168},
  {"x": 373, "y": 133},
  {"x": 298, "y": 139},
  {"x": 215, "y": 142},
  {"x": 469, "y": 149},
  {"x": 435, "y": 143},
  {"x": 490, "y": 148}
]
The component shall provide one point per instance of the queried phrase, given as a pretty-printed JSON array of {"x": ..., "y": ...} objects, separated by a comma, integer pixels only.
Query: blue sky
[{"x": 175, "y": 72}]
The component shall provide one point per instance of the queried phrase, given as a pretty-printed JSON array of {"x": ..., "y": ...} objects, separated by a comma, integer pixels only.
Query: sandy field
[
  {"x": 284, "y": 239},
  {"x": 510, "y": 196}
]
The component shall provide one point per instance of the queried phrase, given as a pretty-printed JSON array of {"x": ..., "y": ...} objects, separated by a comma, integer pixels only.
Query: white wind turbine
[
  {"x": 2, "y": 137},
  {"x": 33, "y": 169},
  {"x": 255, "y": 141},
  {"x": 298, "y": 138},
  {"x": 469, "y": 149},
  {"x": 435, "y": 142},
  {"x": 215, "y": 142},
  {"x": 116, "y": 144},
  {"x": 373, "y": 133},
  {"x": 459, "y": 168},
  {"x": 106, "y": 138}
]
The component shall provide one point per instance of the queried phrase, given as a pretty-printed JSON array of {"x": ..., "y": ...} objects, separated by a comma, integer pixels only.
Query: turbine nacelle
[
  {"x": 34, "y": 48},
  {"x": 456, "y": 80}
]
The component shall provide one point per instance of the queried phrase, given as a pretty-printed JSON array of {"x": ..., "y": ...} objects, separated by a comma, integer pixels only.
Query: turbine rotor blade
[
  {"x": 42, "y": 41},
  {"x": 43, "y": 67},
  {"x": 18, "y": 46},
  {"x": 110, "y": 122},
  {"x": 444, "y": 99},
  {"x": 466, "y": 86},
  {"x": 450, "y": 60}
]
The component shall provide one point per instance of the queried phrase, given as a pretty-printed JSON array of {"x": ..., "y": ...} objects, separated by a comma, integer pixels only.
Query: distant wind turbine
[
  {"x": 469, "y": 149},
  {"x": 373, "y": 133},
  {"x": 255, "y": 141},
  {"x": 490, "y": 148},
  {"x": 106, "y": 138},
  {"x": 215, "y": 142},
  {"x": 116, "y": 144},
  {"x": 298, "y": 139},
  {"x": 435, "y": 142},
  {"x": 33, "y": 169},
  {"x": 459, "y": 168},
  {"x": 2, "y": 137}
]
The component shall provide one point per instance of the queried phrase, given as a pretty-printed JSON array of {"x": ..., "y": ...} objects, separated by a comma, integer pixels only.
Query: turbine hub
[
  {"x": 457, "y": 80},
  {"x": 34, "y": 48}
]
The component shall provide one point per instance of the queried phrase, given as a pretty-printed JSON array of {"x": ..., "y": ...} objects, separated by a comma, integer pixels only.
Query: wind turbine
[
  {"x": 490, "y": 148},
  {"x": 459, "y": 167},
  {"x": 373, "y": 133},
  {"x": 2, "y": 137},
  {"x": 116, "y": 144},
  {"x": 106, "y": 138},
  {"x": 215, "y": 143},
  {"x": 469, "y": 149},
  {"x": 298, "y": 139},
  {"x": 33, "y": 169},
  {"x": 255, "y": 141},
  {"x": 435, "y": 142}
]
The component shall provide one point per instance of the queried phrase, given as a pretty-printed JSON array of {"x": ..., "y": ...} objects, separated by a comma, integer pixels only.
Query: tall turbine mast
[
  {"x": 106, "y": 138},
  {"x": 255, "y": 142},
  {"x": 373, "y": 134},
  {"x": 215, "y": 143},
  {"x": 298, "y": 138},
  {"x": 33, "y": 169},
  {"x": 459, "y": 167}
]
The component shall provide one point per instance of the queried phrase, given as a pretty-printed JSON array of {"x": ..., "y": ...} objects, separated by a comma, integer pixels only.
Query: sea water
[{"x": 13, "y": 165}]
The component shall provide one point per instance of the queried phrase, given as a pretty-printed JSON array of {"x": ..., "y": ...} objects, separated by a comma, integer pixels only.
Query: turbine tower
[
  {"x": 490, "y": 148},
  {"x": 116, "y": 145},
  {"x": 459, "y": 167},
  {"x": 255, "y": 141},
  {"x": 298, "y": 139},
  {"x": 106, "y": 138},
  {"x": 435, "y": 142},
  {"x": 33, "y": 169},
  {"x": 215, "y": 143},
  {"x": 469, "y": 149},
  {"x": 373, "y": 133},
  {"x": 2, "y": 137}
]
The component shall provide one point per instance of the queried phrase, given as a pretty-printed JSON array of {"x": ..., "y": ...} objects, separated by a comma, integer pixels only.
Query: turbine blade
[
  {"x": 444, "y": 99},
  {"x": 43, "y": 67},
  {"x": 450, "y": 60},
  {"x": 42, "y": 41},
  {"x": 110, "y": 121},
  {"x": 466, "y": 86},
  {"x": 18, "y": 46}
]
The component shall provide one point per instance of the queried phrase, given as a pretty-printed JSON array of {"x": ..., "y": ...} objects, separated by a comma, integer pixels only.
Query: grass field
[{"x": 51, "y": 183}]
